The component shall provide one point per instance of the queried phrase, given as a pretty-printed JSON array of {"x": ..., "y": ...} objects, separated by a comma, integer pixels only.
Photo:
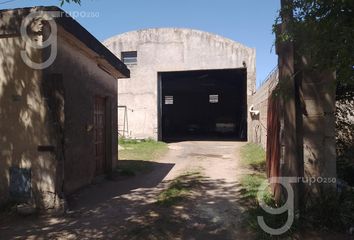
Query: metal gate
[{"x": 99, "y": 135}]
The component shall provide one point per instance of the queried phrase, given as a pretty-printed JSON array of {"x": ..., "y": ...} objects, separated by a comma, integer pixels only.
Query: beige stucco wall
[
  {"x": 24, "y": 122},
  {"x": 170, "y": 49},
  {"x": 83, "y": 80},
  {"x": 27, "y": 119}
]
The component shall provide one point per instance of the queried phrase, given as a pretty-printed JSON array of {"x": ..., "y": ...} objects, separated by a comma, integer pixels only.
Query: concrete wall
[
  {"x": 51, "y": 108},
  {"x": 171, "y": 49},
  {"x": 319, "y": 144},
  {"x": 259, "y": 101},
  {"x": 24, "y": 116},
  {"x": 83, "y": 80},
  {"x": 307, "y": 118}
]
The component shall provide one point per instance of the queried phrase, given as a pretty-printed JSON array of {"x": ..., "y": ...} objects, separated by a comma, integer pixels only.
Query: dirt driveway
[{"x": 127, "y": 209}]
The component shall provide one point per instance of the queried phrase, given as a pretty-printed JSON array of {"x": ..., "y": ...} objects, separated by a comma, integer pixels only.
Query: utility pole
[{"x": 289, "y": 159}]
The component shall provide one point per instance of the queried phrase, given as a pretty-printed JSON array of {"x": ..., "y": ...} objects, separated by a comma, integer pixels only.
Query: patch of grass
[
  {"x": 253, "y": 155},
  {"x": 250, "y": 187},
  {"x": 251, "y": 184},
  {"x": 178, "y": 189},
  {"x": 141, "y": 149},
  {"x": 136, "y": 154},
  {"x": 173, "y": 194},
  {"x": 274, "y": 221}
]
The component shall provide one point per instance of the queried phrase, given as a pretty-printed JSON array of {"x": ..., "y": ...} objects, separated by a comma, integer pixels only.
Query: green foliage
[
  {"x": 141, "y": 149},
  {"x": 331, "y": 211},
  {"x": 253, "y": 155},
  {"x": 344, "y": 140},
  {"x": 122, "y": 141},
  {"x": 251, "y": 184},
  {"x": 323, "y": 31},
  {"x": 136, "y": 155},
  {"x": 178, "y": 189},
  {"x": 176, "y": 192},
  {"x": 250, "y": 188},
  {"x": 274, "y": 221},
  {"x": 68, "y": 1}
]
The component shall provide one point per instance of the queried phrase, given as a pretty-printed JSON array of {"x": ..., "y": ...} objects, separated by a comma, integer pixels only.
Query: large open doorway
[{"x": 203, "y": 105}]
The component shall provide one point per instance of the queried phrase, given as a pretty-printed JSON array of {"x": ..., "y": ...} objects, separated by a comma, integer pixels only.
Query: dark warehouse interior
[{"x": 203, "y": 105}]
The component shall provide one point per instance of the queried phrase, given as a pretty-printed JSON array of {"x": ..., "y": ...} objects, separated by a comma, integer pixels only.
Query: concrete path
[{"x": 127, "y": 209}]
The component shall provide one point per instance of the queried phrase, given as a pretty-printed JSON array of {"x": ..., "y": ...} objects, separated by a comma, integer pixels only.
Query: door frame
[{"x": 106, "y": 138}]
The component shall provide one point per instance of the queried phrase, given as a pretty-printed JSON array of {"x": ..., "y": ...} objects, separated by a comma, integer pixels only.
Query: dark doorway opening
[{"x": 203, "y": 105}]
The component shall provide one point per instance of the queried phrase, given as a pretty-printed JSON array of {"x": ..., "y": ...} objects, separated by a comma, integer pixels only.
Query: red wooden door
[{"x": 100, "y": 135}]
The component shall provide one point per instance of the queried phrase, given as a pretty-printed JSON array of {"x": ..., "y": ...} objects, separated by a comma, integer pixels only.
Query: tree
[
  {"x": 68, "y": 1},
  {"x": 327, "y": 28}
]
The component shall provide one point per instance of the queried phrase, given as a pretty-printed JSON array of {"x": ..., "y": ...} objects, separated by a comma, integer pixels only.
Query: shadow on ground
[
  {"x": 148, "y": 175},
  {"x": 210, "y": 211},
  {"x": 128, "y": 209}
]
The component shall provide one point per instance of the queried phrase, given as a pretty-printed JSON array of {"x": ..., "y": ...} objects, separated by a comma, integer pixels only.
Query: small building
[
  {"x": 58, "y": 106},
  {"x": 185, "y": 84}
]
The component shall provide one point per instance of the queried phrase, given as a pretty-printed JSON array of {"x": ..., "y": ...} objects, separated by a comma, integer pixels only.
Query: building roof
[
  {"x": 74, "y": 28},
  {"x": 166, "y": 34}
]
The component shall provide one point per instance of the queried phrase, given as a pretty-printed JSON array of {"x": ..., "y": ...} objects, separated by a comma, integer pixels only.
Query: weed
[
  {"x": 253, "y": 156},
  {"x": 141, "y": 150},
  {"x": 178, "y": 189}
]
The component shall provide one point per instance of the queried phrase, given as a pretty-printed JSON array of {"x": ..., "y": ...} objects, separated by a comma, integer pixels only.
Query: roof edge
[
  {"x": 201, "y": 32},
  {"x": 71, "y": 26}
]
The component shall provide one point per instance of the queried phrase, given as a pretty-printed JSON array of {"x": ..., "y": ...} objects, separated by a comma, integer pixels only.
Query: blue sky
[{"x": 246, "y": 21}]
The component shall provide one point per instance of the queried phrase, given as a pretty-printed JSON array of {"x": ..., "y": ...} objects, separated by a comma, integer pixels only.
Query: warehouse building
[{"x": 184, "y": 84}]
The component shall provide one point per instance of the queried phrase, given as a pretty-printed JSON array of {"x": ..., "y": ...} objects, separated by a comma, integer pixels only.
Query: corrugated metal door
[{"x": 99, "y": 134}]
